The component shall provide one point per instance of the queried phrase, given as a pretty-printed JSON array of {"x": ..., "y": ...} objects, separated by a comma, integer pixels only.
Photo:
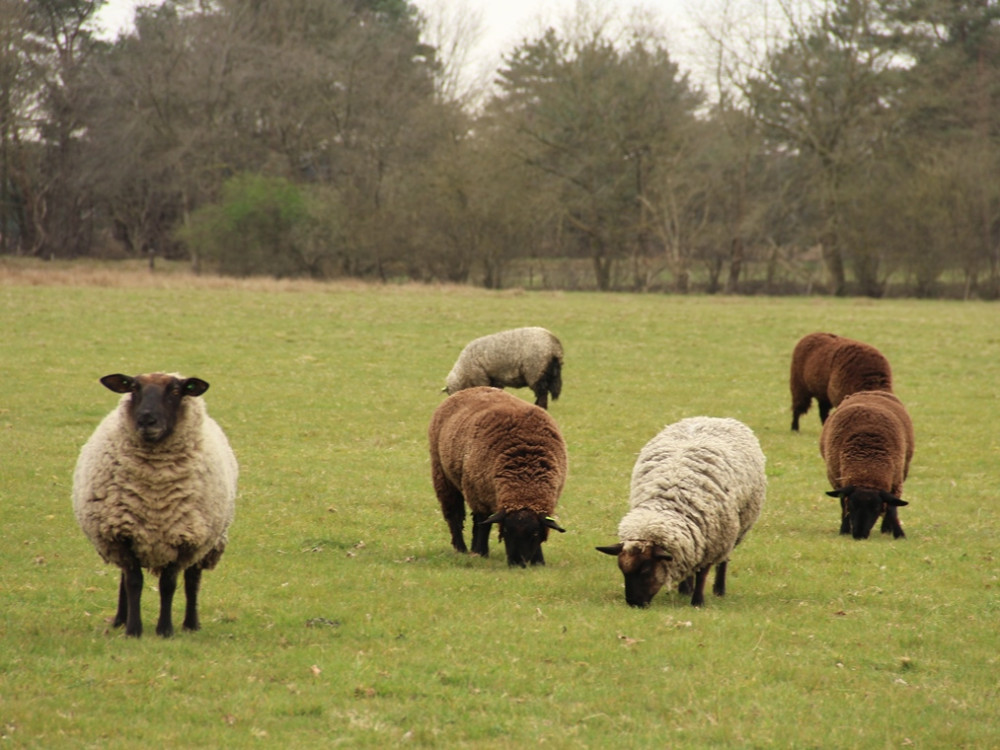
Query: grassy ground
[{"x": 340, "y": 616}]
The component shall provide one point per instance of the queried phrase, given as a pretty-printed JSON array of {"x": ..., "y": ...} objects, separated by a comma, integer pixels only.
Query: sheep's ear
[
  {"x": 890, "y": 499},
  {"x": 614, "y": 549},
  {"x": 194, "y": 387},
  {"x": 495, "y": 518},
  {"x": 118, "y": 383},
  {"x": 842, "y": 492},
  {"x": 552, "y": 523}
]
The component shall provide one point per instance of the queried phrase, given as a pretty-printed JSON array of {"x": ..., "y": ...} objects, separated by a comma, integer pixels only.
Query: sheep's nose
[{"x": 146, "y": 419}]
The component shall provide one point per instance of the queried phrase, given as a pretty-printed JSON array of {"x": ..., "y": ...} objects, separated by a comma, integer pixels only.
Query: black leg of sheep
[
  {"x": 891, "y": 522},
  {"x": 168, "y": 585},
  {"x": 719, "y": 587},
  {"x": 131, "y": 588},
  {"x": 698, "y": 597},
  {"x": 192, "y": 582},
  {"x": 481, "y": 535}
]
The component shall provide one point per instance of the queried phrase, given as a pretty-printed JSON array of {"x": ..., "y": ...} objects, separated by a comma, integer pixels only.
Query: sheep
[
  {"x": 507, "y": 460},
  {"x": 521, "y": 357},
  {"x": 828, "y": 368},
  {"x": 155, "y": 488},
  {"x": 697, "y": 488},
  {"x": 868, "y": 444}
]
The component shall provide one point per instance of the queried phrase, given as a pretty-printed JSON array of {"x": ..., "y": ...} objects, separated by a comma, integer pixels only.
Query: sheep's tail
[{"x": 552, "y": 379}]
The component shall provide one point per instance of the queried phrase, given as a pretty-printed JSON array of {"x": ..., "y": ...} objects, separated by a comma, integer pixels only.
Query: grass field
[{"x": 340, "y": 616}]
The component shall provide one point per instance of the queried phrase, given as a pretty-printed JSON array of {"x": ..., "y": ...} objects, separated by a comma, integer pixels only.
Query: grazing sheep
[
  {"x": 828, "y": 368},
  {"x": 697, "y": 488},
  {"x": 867, "y": 444},
  {"x": 516, "y": 358},
  {"x": 507, "y": 460},
  {"x": 155, "y": 488}
]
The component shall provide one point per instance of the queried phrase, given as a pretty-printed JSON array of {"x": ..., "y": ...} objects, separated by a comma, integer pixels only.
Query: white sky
[{"x": 503, "y": 24}]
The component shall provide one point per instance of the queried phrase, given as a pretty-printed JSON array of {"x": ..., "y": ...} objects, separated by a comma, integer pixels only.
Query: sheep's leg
[
  {"x": 686, "y": 587},
  {"x": 168, "y": 585},
  {"x": 891, "y": 522},
  {"x": 132, "y": 583},
  {"x": 698, "y": 597},
  {"x": 824, "y": 410},
  {"x": 122, "y": 614},
  {"x": 192, "y": 582},
  {"x": 801, "y": 401},
  {"x": 481, "y": 535},
  {"x": 719, "y": 587},
  {"x": 542, "y": 396},
  {"x": 452, "y": 507},
  {"x": 845, "y": 517},
  {"x": 538, "y": 559}
]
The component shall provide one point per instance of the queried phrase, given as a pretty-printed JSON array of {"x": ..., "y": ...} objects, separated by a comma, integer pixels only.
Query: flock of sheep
[{"x": 155, "y": 486}]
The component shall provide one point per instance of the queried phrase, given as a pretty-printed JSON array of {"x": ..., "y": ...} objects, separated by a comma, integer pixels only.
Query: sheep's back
[
  {"x": 514, "y": 358},
  {"x": 856, "y": 366},
  {"x": 487, "y": 441},
  {"x": 703, "y": 466},
  {"x": 868, "y": 441}
]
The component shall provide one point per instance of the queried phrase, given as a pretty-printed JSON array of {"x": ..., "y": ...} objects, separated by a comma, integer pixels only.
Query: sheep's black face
[
  {"x": 522, "y": 532},
  {"x": 861, "y": 508},
  {"x": 644, "y": 566},
  {"x": 155, "y": 401}
]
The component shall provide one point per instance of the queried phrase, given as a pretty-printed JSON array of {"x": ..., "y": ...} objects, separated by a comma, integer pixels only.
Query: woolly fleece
[
  {"x": 518, "y": 358},
  {"x": 500, "y": 452},
  {"x": 697, "y": 488},
  {"x": 829, "y": 368},
  {"x": 868, "y": 442},
  {"x": 174, "y": 500}
]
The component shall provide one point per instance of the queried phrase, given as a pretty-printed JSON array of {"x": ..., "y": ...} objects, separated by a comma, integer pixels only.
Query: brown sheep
[
  {"x": 828, "y": 368},
  {"x": 867, "y": 444},
  {"x": 507, "y": 460}
]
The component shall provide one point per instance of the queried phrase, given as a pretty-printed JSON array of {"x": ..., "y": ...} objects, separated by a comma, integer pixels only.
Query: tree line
[{"x": 854, "y": 149}]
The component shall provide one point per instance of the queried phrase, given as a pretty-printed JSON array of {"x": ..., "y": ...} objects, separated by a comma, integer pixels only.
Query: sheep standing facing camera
[
  {"x": 155, "y": 488},
  {"x": 521, "y": 357},
  {"x": 697, "y": 488}
]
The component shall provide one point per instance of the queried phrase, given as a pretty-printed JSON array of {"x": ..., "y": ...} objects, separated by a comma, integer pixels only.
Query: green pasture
[{"x": 340, "y": 616}]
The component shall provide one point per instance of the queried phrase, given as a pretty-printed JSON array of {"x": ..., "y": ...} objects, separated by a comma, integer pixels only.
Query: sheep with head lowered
[
  {"x": 155, "y": 488},
  {"x": 829, "y": 368},
  {"x": 697, "y": 488},
  {"x": 521, "y": 357},
  {"x": 867, "y": 444},
  {"x": 507, "y": 459}
]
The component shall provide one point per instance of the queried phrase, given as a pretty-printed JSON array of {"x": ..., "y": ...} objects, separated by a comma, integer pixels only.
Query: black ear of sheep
[
  {"x": 891, "y": 499},
  {"x": 551, "y": 523},
  {"x": 613, "y": 549},
  {"x": 842, "y": 492},
  {"x": 118, "y": 383},
  {"x": 194, "y": 387},
  {"x": 495, "y": 518}
]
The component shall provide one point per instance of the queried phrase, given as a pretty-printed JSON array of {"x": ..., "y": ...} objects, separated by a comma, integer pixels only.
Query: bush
[{"x": 264, "y": 225}]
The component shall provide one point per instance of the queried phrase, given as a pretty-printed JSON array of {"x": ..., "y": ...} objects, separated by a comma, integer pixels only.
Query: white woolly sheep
[
  {"x": 867, "y": 444},
  {"x": 697, "y": 488},
  {"x": 521, "y": 357},
  {"x": 155, "y": 488},
  {"x": 828, "y": 368},
  {"x": 507, "y": 460}
]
